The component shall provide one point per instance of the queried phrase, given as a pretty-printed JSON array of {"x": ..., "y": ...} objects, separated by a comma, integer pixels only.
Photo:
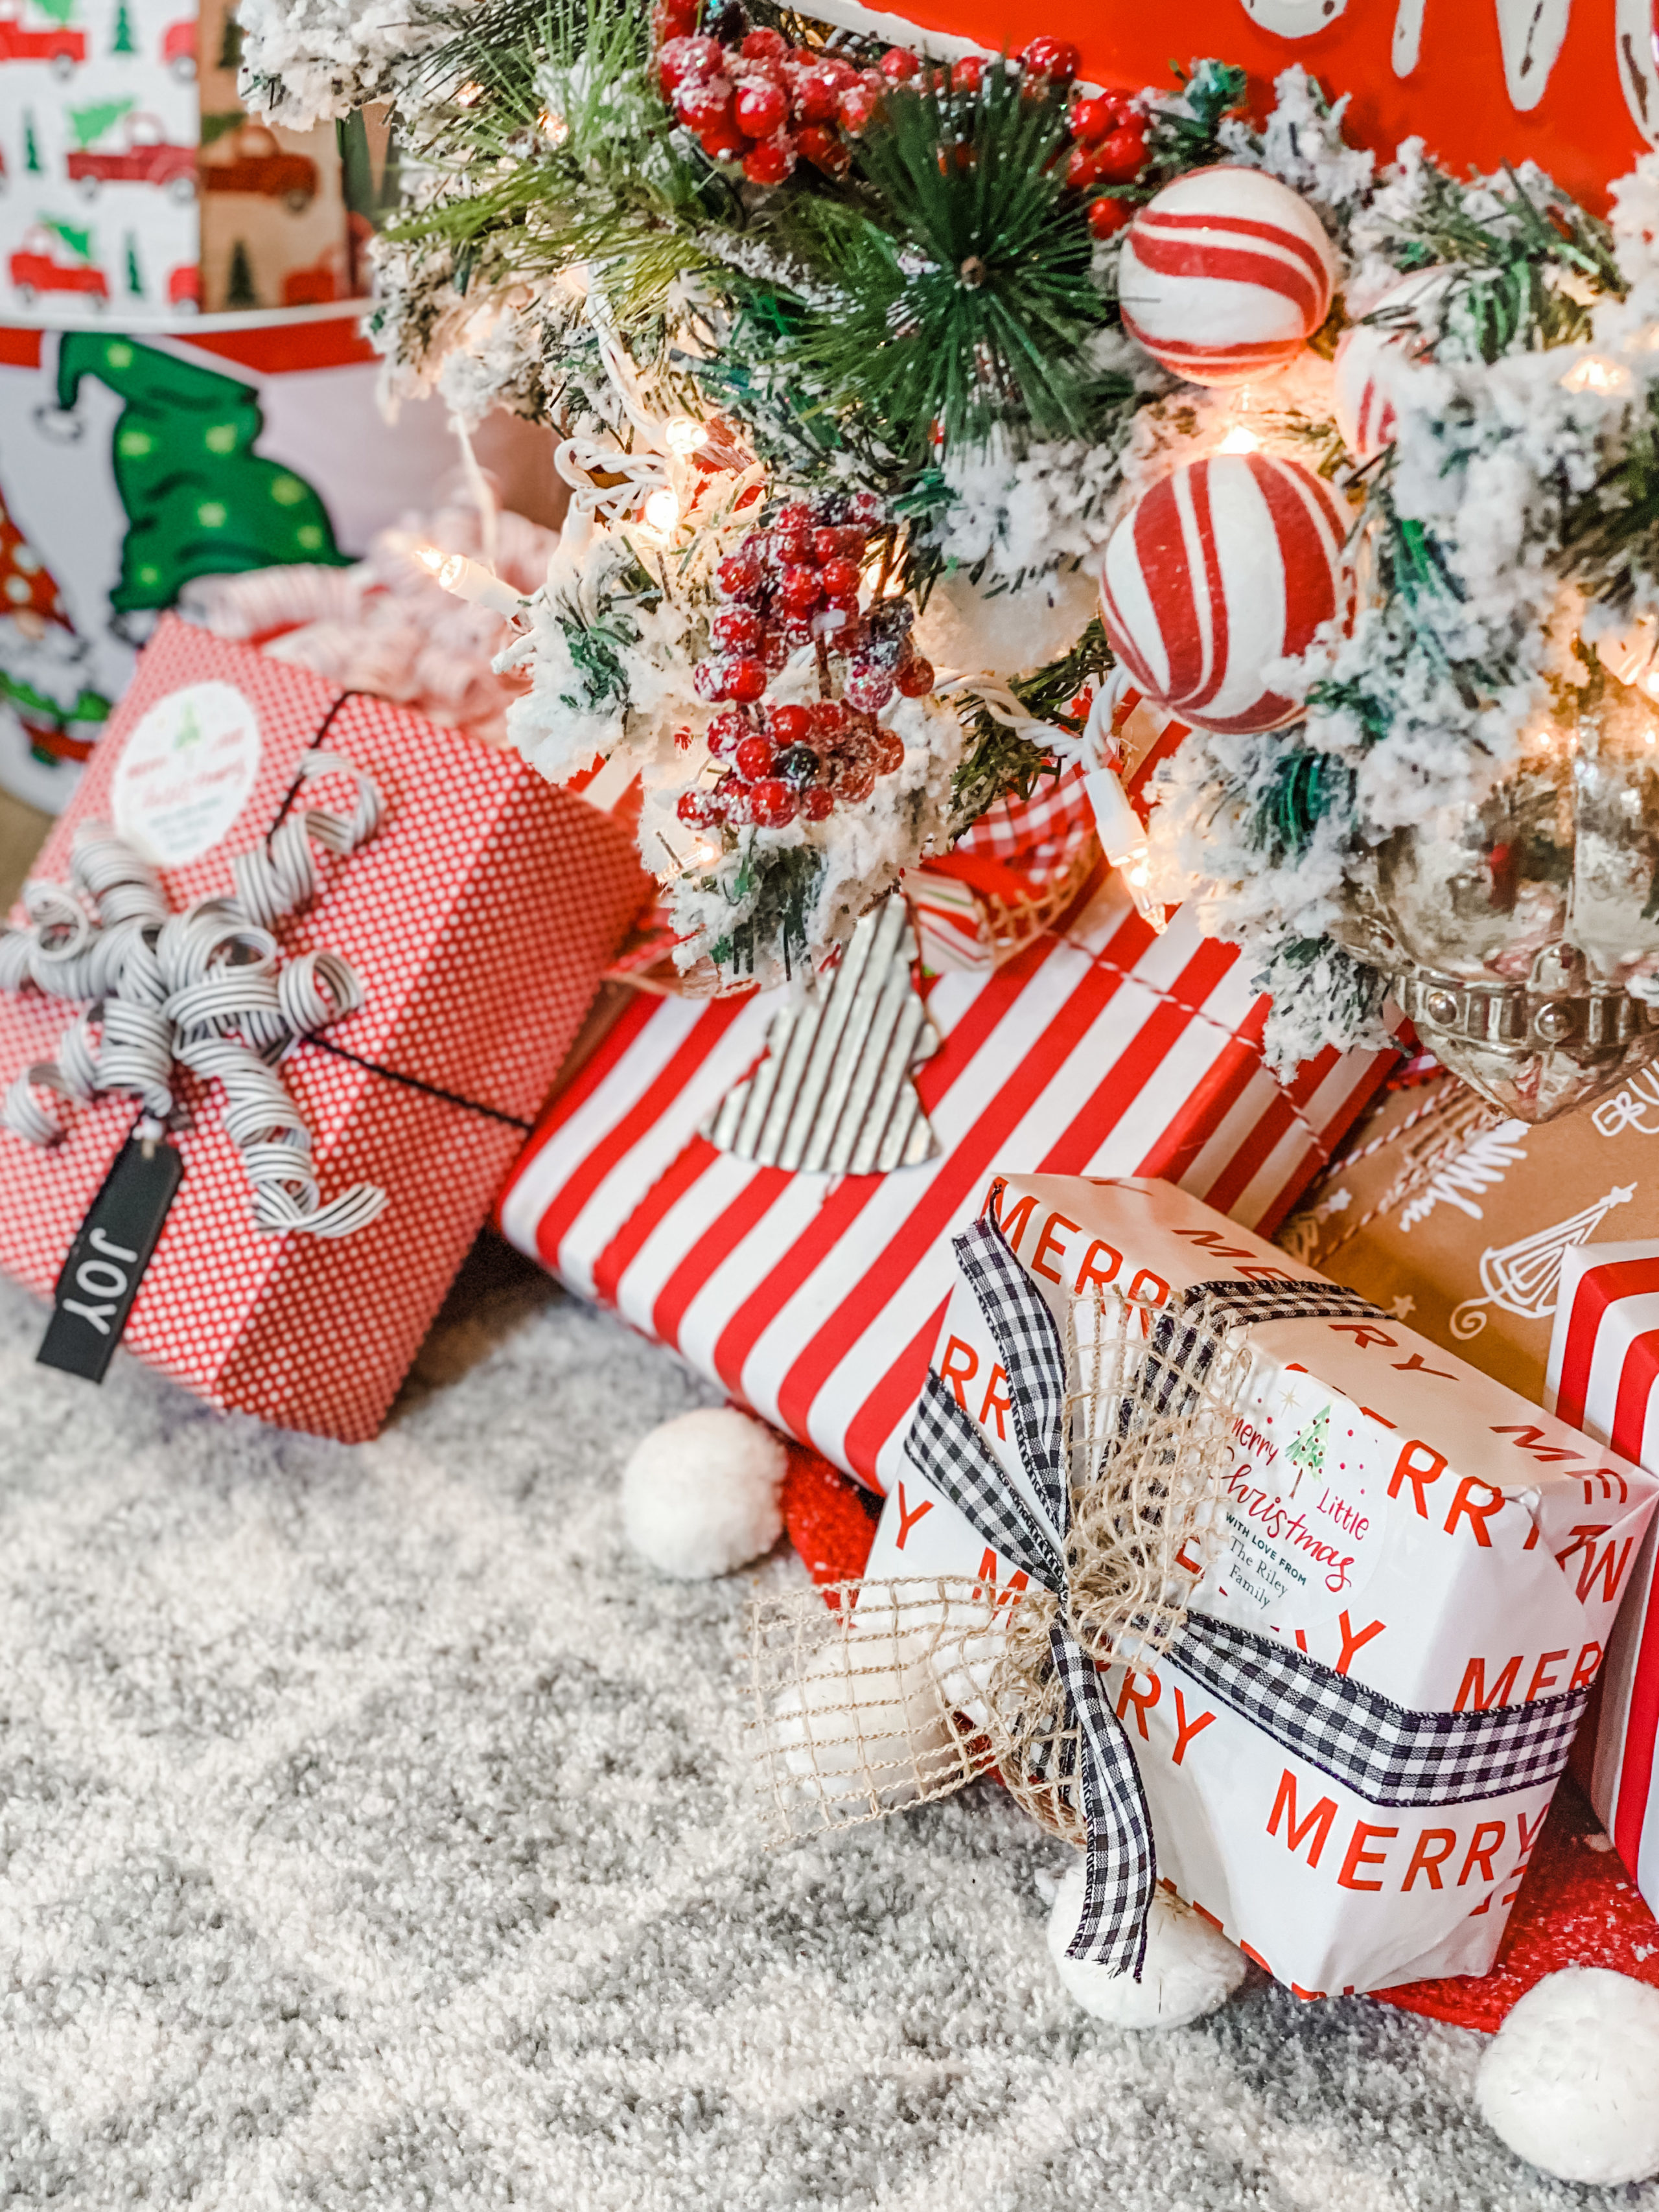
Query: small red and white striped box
[
  {"x": 814, "y": 1299},
  {"x": 1604, "y": 1378},
  {"x": 479, "y": 918}
]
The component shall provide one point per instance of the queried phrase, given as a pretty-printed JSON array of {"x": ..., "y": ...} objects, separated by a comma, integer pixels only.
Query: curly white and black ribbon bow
[
  {"x": 206, "y": 989},
  {"x": 1384, "y": 1752}
]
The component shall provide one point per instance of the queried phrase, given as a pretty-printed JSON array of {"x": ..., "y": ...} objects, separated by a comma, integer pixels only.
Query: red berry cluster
[
  {"x": 1109, "y": 147},
  {"x": 763, "y": 103},
  {"x": 796, "y": 583}
]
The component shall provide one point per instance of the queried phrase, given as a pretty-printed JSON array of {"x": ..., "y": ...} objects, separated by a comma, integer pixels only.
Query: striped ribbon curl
[{"x": 206, "y": 989}]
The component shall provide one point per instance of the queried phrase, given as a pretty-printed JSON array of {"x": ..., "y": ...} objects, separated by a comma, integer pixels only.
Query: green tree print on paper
[
  {"x": 76, "y": 236},
  {"x": 58, "y": 11},
  {"x": 88, "y": 123},
  {"x": 31, "y": 162},
  {"x": 1307, "y": 1453},
  {"x": 135, "y": 272},
  {"x": 199, "y": 501},
  {"x": 239, "y": 285},
  {"x": 123, "y": 42}
]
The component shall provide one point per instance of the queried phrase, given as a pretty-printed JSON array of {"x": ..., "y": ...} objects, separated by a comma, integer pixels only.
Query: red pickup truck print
[
  {"x": 249, "y": 160},
  {"x": 184, "y": 287},
  {"x": 64, "y": 49},
  {"x": 34, "y": 269},
  {"x": 145, "y": 158}
]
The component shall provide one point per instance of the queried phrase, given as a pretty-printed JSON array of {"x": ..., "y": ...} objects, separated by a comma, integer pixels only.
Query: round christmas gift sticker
[
  {"x": 1303, "y": 1505},
  {"x": 185, "y": 774}
]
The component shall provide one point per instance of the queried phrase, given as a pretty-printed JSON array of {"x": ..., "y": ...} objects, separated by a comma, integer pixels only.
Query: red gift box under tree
[{"x": 478, "y": 919}]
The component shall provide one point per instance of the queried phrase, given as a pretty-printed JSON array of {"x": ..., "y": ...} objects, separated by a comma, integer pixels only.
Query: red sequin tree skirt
[{"x": 1577, "y": 1906}]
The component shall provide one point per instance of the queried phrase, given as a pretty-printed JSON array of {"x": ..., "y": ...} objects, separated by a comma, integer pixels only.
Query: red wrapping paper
[{"x": 479, "y": 918}]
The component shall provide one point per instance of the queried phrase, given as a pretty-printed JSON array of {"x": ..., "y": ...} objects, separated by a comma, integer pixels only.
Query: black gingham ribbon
[{"x": 1386, "y": 1753}]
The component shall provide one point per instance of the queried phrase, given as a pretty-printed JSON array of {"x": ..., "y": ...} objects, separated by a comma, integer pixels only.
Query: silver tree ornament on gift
[{"x": 1521, "y": 935}]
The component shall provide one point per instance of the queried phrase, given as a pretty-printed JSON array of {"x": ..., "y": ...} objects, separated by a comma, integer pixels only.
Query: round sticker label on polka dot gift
[
  {"x": 1305, "y": 1506},
  {"x": 185, "y": 774}
]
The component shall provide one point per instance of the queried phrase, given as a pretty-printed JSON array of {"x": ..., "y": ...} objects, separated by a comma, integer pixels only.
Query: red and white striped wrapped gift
[
  {"x": 815, "y": 1300},
  {"x": 1604, "y": 1377}
]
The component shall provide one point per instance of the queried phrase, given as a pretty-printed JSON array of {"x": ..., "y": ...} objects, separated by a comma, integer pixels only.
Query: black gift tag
[{"x": 108, "y": 1259}]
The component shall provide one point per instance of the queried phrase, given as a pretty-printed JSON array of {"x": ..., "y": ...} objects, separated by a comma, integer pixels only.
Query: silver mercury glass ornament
[{"x": 1522, "y": 936}]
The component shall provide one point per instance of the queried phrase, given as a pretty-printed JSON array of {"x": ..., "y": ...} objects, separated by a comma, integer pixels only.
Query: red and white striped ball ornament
[
  {"x": 1372, "y": 355},
  {"x": 1219, "y": 569},
  {"x": 1225, "y": 275}
]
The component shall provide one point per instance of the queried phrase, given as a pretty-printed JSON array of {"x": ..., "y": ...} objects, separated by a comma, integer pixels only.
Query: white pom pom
[
  {"x": 1571, "y": 2080},
  {"x": 700, "y": 1495},
  {"x": 1190, "y": 1969}
]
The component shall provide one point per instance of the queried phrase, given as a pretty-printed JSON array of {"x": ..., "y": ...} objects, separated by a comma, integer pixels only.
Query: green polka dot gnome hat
[{"x": 198, "y": 501}]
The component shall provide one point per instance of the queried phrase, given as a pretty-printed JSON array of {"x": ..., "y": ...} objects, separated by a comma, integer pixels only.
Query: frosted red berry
[
  {"x": 1096, "y": 117},
  {"x": 868, "y": 686},
  {"x": 817, "y": 802},
  {"x": 761, "y": 108},
  {"x": 771, "y": 803},
  {"x": 968, "y": 74},
  {"x": 1054, "y": 58},
  {"x": 704, "y": 103},
  {"x": 745, "y": 679},
  {"x": 817, "y": 144},
  {"x": 799, "y": 589},
  {"x": 839, "y": 578},
  {"x": 764, "y": 46},
  {"x": 709, "y": 679},
  {"x": 790, "y": 726},
  {"x": 890, "y": 752},
  {"x": 1107, "y": 215},
  {"x": 684, "y": 59},
  {"x": 854, "y": 781},
  {"x": 770, "y": 161},
  {"x": 898, "y": 65},
  {"x": 739, "y": 576},
  {"x": 855, "y": 108},
  {"x": 1120, "y": 159},
  {"x": 725, "y": 142},
  {"x": 696, "y": 808},
  {"x": 753, "y": 758},
  {"x": 914, "y": 677},
  {"x": 737, "y": 629},
  {"x": 1083, "y": 168},
  {"x": 725, "y": 732}
]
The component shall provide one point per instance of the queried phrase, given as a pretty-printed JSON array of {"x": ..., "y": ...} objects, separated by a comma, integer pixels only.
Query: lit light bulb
[
  {"x": 469, "y": 579},
  {"x": 470, "y": 94},
  {"x": 683, "y": 435},
  {"x": 1592, "y": 373},
  {"x": 1238, "y": 439},
  {"x": 553, "y": 127},
  {"x": 660, "y": 516}
]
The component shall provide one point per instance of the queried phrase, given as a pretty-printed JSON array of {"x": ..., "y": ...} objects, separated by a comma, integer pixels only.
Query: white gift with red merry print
[{"x": 1400, "y": 1517}]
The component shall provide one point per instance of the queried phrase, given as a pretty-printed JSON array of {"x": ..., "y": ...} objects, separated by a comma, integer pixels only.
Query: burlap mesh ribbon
[
  {"x": 207, "y": 988},
  {"x": 906, "y": 1690}
]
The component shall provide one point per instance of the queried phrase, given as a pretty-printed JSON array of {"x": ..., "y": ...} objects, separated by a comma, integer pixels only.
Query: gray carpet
[{"x": 370, "y": 1835}]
